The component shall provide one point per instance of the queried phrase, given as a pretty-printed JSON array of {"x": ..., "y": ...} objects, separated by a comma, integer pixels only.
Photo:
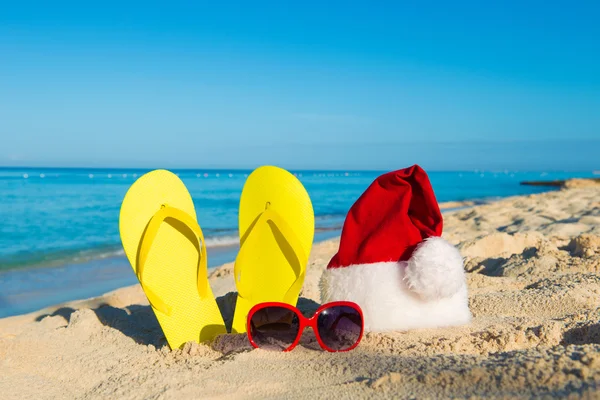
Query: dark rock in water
[
  {"x": 543, "y": 183},
  {"x": 569, "y": 183}
]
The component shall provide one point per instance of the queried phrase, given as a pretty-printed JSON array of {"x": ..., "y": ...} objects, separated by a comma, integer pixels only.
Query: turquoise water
[{"x": 59, "y": 227}]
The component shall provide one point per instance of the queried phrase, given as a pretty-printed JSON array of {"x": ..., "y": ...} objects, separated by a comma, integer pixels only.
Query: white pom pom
[{"x": 435, "y": 270}]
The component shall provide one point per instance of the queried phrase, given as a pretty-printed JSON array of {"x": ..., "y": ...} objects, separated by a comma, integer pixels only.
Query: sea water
[{"x": 59, "y": 235}]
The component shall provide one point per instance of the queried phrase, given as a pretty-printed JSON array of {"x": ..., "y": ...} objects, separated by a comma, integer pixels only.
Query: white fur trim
[
  {"x": 435, "y": 269},
  {"x": 387, "y": 302}
]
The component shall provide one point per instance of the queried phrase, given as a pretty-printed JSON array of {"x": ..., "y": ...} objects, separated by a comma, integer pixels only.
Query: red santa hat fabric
[{"x": 392, "y": 260}]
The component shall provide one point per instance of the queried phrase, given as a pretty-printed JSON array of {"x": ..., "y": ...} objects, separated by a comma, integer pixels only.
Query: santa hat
[{"x": 392, "y": 261}]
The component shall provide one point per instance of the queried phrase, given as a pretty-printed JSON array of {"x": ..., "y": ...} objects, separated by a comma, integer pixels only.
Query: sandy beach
[{"x": 533, "y": 266}]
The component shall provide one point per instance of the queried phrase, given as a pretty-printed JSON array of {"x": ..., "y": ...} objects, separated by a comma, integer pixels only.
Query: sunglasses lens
[
  {"x": 339, "y": 327},
  {"x": 274, "y": 328}
]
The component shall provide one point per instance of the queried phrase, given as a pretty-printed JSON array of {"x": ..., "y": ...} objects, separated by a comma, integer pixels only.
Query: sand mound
[
  {"x": 586, "y": 246},
  {"x": 500, "y": 244},
  {"x": 581, "y": 183}
]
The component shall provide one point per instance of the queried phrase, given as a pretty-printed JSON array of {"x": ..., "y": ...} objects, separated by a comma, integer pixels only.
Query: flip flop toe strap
[
  {"x": 266, "y": 217},
  {"x": 167, "y": 212}
]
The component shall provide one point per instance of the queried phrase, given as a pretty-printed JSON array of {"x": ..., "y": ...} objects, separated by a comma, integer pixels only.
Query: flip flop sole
[
  {"x": 270, "y": 265},
  {"x": 171, "y": 268}
]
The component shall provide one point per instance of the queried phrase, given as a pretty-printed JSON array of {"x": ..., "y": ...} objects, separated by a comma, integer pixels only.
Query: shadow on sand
[
  {"x": 140, "y": 324},
  {"x": 136, "y": 321},
  {"x": 587, "y": 334}
]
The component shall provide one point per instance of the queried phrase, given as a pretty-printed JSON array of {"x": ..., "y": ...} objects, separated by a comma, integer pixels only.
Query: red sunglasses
[{"x": 338, "y": 326}]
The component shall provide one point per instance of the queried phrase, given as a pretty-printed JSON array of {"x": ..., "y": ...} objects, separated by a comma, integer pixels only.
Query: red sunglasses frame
[{"x": 306, "y": 322}]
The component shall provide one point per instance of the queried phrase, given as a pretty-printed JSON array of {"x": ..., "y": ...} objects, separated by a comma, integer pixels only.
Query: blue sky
[{"x": 448, "y": 85}]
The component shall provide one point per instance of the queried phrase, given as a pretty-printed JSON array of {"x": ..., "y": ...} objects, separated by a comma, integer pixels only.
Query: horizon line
[{"x": 219, "y": 169}]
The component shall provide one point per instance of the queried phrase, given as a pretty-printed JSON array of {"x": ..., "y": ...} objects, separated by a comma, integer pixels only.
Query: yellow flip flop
[
  {"x": 166, "y": 249},
  {"x": 277, "y": 225}
]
